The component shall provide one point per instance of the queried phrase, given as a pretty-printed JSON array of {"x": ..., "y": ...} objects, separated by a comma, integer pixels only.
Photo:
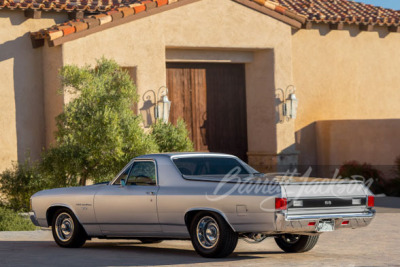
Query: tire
[
  {"x": 66, "y": 229},
  {"x": 296, "y": 243},
  {"x": 211, "y": 235},
  {"x": 150, "y": 240}
]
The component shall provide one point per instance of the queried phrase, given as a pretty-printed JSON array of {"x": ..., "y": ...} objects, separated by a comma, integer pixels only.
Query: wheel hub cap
[
  {"x": 207, "y": 232},
  {"x": 64, "y": 227}
]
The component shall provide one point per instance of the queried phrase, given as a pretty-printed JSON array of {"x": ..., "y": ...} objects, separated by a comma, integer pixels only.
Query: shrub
[
  {"x": 364, "y": 172},
  {"x": 170, "y": 138},
  {"x": 20, "y": 182},
  {"x": 12, "y": 221}
]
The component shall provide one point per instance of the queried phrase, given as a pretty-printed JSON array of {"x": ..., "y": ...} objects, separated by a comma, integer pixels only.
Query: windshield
[{"x": 197, "y": 166}]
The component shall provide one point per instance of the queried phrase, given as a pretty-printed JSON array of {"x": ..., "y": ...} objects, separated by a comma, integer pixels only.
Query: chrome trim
[
  {"x": 370, "y": 214},
  {"x": 300, "y": 223}
]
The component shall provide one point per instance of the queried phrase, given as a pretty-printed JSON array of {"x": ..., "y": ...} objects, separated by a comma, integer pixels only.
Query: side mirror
[{"x": 123, "y": 184}]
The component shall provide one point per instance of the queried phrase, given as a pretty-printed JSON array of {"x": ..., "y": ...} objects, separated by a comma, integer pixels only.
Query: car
[{"x": 211, "y": 199}]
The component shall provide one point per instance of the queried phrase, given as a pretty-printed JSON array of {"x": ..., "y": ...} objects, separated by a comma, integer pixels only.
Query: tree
[
  {"x": 170, "y": 138},
  {"x": 98, "y": 133}
]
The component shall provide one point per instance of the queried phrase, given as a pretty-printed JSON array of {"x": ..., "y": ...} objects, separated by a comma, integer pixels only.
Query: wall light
[{"x": 289, "y": 102}]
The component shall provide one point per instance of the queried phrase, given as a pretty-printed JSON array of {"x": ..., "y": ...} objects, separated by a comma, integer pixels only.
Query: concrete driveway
[{"x": 376, "y": 245}]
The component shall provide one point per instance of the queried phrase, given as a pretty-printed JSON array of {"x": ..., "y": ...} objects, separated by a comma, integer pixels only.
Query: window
[
  {"x": 208, "y": 166},
  {"x": 142, "y": 173},
  {"x": 123, "y": 176}
]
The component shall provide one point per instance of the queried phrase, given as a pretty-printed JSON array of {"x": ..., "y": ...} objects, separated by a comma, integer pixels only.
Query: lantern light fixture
[
  {"x": 162, "y": 106},
  {"x": 289, "y": 102}
]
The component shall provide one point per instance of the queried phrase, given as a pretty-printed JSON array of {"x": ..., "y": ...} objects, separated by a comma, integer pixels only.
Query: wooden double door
[{"x": 211, "y": 99}]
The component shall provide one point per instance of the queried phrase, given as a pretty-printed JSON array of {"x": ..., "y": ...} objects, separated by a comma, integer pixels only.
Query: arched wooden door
[{"x": 211, "y": 98}]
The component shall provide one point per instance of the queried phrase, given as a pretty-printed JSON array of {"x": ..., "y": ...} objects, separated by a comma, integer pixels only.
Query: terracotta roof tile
[
  {"x": 335, "y": 11},
  {"x": 300, "y": 11},
  {"x": 112, "y": 15},
  {"x": 69, "y": 5}
]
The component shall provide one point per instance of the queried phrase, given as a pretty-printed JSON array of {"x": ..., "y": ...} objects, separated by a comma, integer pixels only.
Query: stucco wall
[
  {"x": 219, "y": 26},
  {"x": 345, "y": 75},
  {"x": 374, "y": 141},
  {"x": 21, "y": 91}
]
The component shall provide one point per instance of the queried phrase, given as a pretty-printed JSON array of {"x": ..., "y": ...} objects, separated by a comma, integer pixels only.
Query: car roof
[{"x": 185, "y": 154}]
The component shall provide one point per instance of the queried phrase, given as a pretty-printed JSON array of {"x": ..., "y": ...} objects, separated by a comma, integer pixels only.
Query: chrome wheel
[
  {"x": 64, "y": 227},
  {"x": 207, "y": 232}
]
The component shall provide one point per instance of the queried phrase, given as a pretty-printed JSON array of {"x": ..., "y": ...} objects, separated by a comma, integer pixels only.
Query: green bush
[
  {"x": 364, "y": 172},
  {"x": 20, "y": 182},
  {"x": 12, "y": 221},
  {"x": 170, "y": 138}
]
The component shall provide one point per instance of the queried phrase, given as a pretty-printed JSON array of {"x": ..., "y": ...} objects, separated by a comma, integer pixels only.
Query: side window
[
  {"x": 142, "y": 173},
  {"x": 123, "y": 176}
]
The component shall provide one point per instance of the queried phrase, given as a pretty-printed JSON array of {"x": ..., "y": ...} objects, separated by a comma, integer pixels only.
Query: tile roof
[
  {"x": 293, "y": 12},
  {"x": 137, "y": 9},
  {"x": 67, "y": 5},
  {"x": 335, "y": 11}
]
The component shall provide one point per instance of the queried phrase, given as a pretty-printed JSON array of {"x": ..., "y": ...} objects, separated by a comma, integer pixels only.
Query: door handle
[{"x": 150, "y": 193}]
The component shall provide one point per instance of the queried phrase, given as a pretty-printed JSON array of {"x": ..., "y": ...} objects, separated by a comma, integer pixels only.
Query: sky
[{"x": 393, "y": 4}]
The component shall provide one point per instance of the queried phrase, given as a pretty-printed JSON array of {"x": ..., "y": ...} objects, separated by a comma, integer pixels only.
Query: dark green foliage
[
  {"x": 12, "y": 221},
  {"x": 365, "y": 172},
  {"x": 170, "y": 138},
  {"x": 20, "y": 182}
]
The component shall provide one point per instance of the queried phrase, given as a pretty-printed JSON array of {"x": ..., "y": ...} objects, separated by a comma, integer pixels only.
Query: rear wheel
[
  {"x": 211, "y": 235},
  {"x": 296, "y": 243},
  {"x": 66, "y": 229}
]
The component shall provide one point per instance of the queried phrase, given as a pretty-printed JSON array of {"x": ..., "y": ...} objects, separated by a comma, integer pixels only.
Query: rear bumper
[{"x": 300, "y": 223}]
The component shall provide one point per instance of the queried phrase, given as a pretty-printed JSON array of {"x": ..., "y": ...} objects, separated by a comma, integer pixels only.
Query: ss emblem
[{"x": 328, "y": 202}]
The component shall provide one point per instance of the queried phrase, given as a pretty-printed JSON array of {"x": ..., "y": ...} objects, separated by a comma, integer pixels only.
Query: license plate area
[{"x": 326, "y": 226}]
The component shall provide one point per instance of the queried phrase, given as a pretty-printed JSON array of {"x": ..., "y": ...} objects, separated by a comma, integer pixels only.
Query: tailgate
[{"x": 328, "y": 197}]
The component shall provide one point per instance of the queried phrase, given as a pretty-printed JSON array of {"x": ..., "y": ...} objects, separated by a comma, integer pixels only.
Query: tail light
[
  {"x": 345, "y": 222},
  {"x": 281, "y": 203},
  {"x": 371, "y": 201}
]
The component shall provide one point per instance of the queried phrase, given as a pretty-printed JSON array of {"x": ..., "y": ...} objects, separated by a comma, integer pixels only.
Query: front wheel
[
  {"x": 296, "y": 243},
  {"x": 211, "y": 235},
  {"x": 66, "y": 229}
]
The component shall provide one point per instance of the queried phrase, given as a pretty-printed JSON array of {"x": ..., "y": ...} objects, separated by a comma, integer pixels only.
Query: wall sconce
[
  {"x": 163, "y": 106},
  {"x": 289, "y": 102},
  {"x": 155, "y": 106}
]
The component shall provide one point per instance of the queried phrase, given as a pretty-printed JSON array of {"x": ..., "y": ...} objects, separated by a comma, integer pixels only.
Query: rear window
[{"x": 208, "y": 166}]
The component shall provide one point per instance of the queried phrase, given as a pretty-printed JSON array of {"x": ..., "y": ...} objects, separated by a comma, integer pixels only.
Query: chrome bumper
[{"x": 300, "y": 223}]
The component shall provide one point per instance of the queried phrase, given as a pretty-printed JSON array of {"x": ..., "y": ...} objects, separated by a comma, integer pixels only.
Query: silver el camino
[{"x": 211, "y": 199}]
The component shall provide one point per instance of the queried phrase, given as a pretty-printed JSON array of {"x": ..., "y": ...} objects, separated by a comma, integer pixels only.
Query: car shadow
[{"x": 47, "y": 253}]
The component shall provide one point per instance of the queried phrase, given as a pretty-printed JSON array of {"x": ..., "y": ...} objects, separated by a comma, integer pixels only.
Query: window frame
[{"x": 130, "y": 167}]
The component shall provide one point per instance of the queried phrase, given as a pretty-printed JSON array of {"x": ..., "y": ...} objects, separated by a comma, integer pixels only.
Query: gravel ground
[{"x": 376, "y": 245}]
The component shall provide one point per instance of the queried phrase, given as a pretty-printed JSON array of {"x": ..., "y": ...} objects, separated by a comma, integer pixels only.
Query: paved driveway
[{"x": 376, "y": 245}]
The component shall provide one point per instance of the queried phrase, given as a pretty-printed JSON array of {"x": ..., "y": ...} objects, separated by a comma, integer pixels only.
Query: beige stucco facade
[
  {"x": 22, "y": 128},
  {"x": 347, "y": 75},
  {"x": 339, "y": 75}
]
